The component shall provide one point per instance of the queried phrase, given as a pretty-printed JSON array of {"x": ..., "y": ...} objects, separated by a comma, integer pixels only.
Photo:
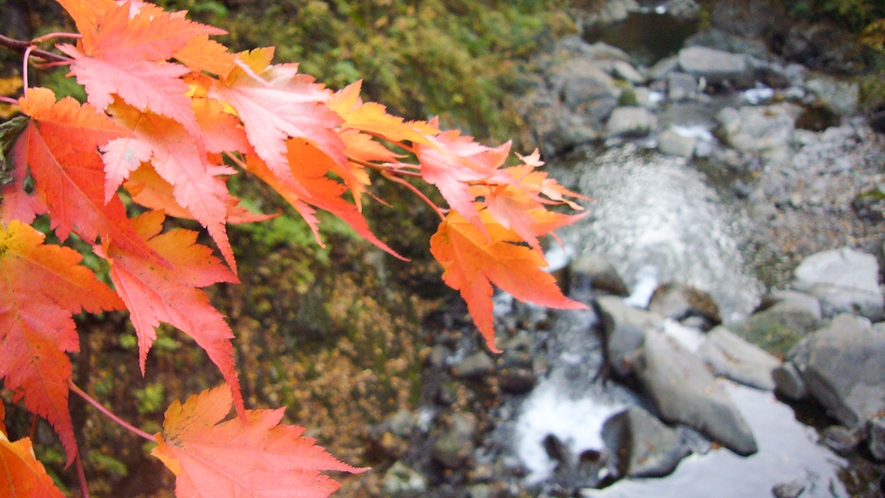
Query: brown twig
[{"x": 22, "y": 46}]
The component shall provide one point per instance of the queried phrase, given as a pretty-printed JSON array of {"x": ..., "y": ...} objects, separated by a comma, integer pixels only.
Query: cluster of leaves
[
  {"x": 171, "y": 115},
  {"x": 459, "y": 60}
]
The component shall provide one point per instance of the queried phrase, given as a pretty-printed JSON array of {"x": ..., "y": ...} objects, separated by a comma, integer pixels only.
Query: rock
[
  {"x": 876, "y": 430},
  {"x": 791, "y": 489},
  {"x": 715, "y": 66},
  {"x": 672, "y": 142},
  {"x": 681, "y": 86},
  {"x": 644, "y": 447},
  {"x": 631, "y": 121},
  {"x": 796, "y": 299},
  {"x": 683, "y": 9},
  {"x": 841, "y": 439},
  {"x": 679, "y": 302},
  {"x": 684, "y": 391},
  {"x": 456, "y": 444},
  {"x": 515, "y": 375},
  {"x": 763, "y": 129},
  {"x": 625, "y": 71},
  {"x": 594, "y": 270},
  {"x": 789, "y": 382},
  {"x": 843, "y": 366},
  {"x": 624, "y": 328},
  {"x": 844, "y": 280},
  {"x": 610, "y": 12},
  {"x": 838, "y": 95},
  {"x": 581, "y": 80},
  {"x": 663, "y": 67},
  {"x": 402, "y": 481},
  {"x": 778, "y": 328},
  {"x": 732, "y": 357},
  {"x": 391, "y": 435},
  {"x": 474, "y": 367}
]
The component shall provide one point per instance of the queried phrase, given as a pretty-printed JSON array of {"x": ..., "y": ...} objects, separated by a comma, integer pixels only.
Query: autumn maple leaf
[
  {"x": 41, "y": 286},
  {"x": 60, "y": 149},
  {"x": 154, "y": 293},
  {"x": 473, "y": 262},
  {"x": 126, "y": 55},
  {"x": 257, "y": 457},
  {"x": 23, "y": 475}
]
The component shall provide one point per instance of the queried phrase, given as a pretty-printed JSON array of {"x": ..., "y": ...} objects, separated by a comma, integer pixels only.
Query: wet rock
[
  {"x": 684, "y": 391},
  {"x": 558, "y": 129},
  {"x": 839, "y": 95},
  {"x": 457, "y": 443},
  {"x": 797, "y": 300},
  {"x": 672, "y": 142},
  {"x": 876, "y": 431},
  {"x": 789, "y": 382},
  {"x": 763, "y": 129},
  {"x": 515, "y": 374},
  {"x": 843, "y": 366},
  {"x": 625, "y": 71},
  {"x": 624, "y": 328},
  {"x": 791, "y": 489},
  {"x": 732, "y": 357},
  {"x": 679, "y": 302},
  {"x": 402, "y": 481},
  {"x": 594, "y": 270},
  {"x": 663, "y": 67},
  {"x": 474, "y": 367},
  {"x": 715, "y": 66},
  {"x": 778, "y": 328},
  {"x": 681, "y": 86},
  {"x": 631, "y": 122},
  {"x": 644, "y": 447},
  {"x": 391, "y": 437},
  {"x": 581, "y": 80},
  {"x": 844, "y": 280},
  {"x": 841, "y": 439}
]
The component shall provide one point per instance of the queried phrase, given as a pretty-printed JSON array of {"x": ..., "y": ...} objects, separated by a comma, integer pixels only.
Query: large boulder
[
  {"x": 624, "y": 327},
  {"x": 764, "y": 129},
  {"x": 642, "y": 445},
  {"x": 843, "y": 367},
  {"x": 779, "y": 327},
  {"x": 732, "y": 357},
  {"x": 715, "y": 66},
  {"x": 594, "y": 271},
  {"x": 631, "y": 122},
  {"x": 684, "y": 391},
  {"x": 844, "y": 280}
]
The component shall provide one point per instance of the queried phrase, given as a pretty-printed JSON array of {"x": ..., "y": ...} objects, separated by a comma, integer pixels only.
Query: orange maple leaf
[
  {"x": 126, "y": 55},
  {"x": 473, "y": 262},
  {"x": 60, "y": 146},
  {"x": 372, "y": 117},
  {"x": 154, "y": 293},
  {"x": 241, "y": 458},
  {"x": 23, "y": 475},
  {"x": 275, "y": 103},
  {"x": 180, "y": 160},
  {"x": 41, "y": 286},
  {"x": 310, "y": 166}
]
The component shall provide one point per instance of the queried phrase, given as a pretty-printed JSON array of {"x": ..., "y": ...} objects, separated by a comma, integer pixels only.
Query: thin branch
[
  {"x": 21, "y": 46},
  {"x": 8, "y": 100},
  {"x": 414, "y": 190},
  {"x": 81, "y": 477},
  {"x": 109, "y": 413}
]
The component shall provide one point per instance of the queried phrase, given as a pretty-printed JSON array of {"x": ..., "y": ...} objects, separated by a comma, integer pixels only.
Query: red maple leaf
[
  {"x": 23, "y": 474},
  {"x": 473, "y": 262},
  {"x": 154, "y": 293},
  {"x": 254, "y": 457},
  {"x": 41, "y": 286}
]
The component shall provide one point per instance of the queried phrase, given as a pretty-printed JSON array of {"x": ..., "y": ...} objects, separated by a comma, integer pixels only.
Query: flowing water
[{"x": 658, "y": 221}]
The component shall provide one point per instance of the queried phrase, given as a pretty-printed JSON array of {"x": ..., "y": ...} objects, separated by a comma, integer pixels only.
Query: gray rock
[
  {"x": 792, "y": 489},
  {"x": 475, "y": 366},
  {"x": 402, "y": 481},
  {"x": 732, "y": 357},
  {"x": 672, "y": 142},
  {"x": 642, "y": 445},
  {"x": 679, "y": 301},
  {"x": 799, "y": 300},
  {"x": 715, "y": 66},
  {"x": 844, "y": 280},
  {"x": 681, "y": 86},
  {"x": 625, "y": 71},
  {"x": 789, "y": 382},
  {"x": 758, "y": 129},
  {"x": 685, "y": 391},
  {"x": 778, "y": 328},
  {"x": 843, "y": 366},
  {"x": 841, "y": 439},
  {"x": 624, "y": 327},
  {"x": 595, "y": 271},
  {"x": 839, "y": 95},
  {"x": 582, "y": 80},
  {"x": 663, "y": 67},
  {"x": 457, "y": 443},
  {"x": 876, "y": 431},
  {"x": 631, "y": 121}
]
